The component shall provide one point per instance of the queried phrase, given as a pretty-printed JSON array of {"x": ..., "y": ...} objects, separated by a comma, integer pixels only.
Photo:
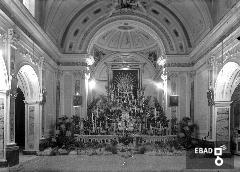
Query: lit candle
[
  {"x": 92, "y": 117},
  {"x": 93, "y": 123},
  {"x": 106, "y": 124},
  {"x": 155, "y": 113},
  {"x": 97, "y": 112}
]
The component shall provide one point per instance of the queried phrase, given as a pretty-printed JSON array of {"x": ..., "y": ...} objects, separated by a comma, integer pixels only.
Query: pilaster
[{"x": 221, "y": 123}]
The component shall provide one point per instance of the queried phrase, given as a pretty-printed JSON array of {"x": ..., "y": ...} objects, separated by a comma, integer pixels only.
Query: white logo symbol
[{"x": 218, "y": 153}]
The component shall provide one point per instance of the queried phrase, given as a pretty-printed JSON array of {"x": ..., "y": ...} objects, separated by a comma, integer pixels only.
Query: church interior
[{"x": 106, "y": 70}]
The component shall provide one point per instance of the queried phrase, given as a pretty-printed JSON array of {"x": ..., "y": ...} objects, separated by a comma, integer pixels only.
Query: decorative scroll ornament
[{"x": 126, "y": 5}]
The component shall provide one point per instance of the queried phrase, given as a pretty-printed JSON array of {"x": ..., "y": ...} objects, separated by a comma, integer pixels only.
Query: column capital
[
  {"x": 222, "y": 103},
  {"x": 192, "y": 74},
  {"x": 211, "y": 61},
  {"x": 78, "y": 73},
  {"x": 13, "y": 36},
  {"x": 12, "y": 93},
  {"x": 28, "y": 102}
]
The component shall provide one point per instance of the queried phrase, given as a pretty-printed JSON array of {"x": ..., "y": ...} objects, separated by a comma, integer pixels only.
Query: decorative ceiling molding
[
  {"x": 225, "y": 28},
  {"x": 179, "y": 21},
  {"x": 163, "y": 34}
]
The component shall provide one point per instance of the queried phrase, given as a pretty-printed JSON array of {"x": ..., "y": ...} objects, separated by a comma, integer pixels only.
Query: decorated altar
[{"x": 126, "y": 111}]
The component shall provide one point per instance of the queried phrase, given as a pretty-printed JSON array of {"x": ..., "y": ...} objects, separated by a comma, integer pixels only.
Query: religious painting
[
  {"x": 125, "y": 81},
  {"x": 173, "y": 101},
  {"x": 31, "y": 127},
  {"x": 1, "y": 128}
]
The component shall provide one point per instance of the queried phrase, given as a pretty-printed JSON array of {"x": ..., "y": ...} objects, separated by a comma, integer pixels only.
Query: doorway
[{"x": 20, "y": 119}]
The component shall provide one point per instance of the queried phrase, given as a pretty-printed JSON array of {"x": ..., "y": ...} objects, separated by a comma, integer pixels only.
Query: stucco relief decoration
[
  {"x": 130, "y": 4},
  {"x": 151, "y": 54},
  {"x": 13, "y": 37},
  {"x": 161, "y": 61},
  {"x": 232, "y": 52},
  {"x": 90, "y": 60},
  {"x": 98, "y": 55}
]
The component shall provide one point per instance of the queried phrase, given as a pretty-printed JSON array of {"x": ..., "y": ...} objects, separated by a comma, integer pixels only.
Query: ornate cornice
[
  {"x": 228, "y": 24},
  {"x": 21, "y": 16},
  {"x": 73, "y": 64},
  {"x": 179, "y": 65}
]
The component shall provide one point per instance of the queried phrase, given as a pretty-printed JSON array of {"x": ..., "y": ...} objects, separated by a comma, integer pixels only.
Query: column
[
  {"x": 221, "y": 124},
  {"x": 3, "y": 116},
  {"x": 192, "y": 75},
  {"x": 11, "y": 39},
  {"x": 210, "y": 64},
  {"x": 188, "y": 94},
  {"x": 84, "y": 87},
  {"x": 43, "y": 93},
  {"x": 61, "y": 90}
]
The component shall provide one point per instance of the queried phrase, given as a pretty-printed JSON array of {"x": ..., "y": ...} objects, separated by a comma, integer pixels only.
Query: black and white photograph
[{"x": 119, "y": 85}]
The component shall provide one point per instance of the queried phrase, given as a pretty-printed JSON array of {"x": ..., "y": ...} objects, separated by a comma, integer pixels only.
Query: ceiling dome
[{"x": 125, "y": 38}]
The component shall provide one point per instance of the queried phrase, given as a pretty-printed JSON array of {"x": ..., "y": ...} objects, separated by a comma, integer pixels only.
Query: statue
[{"x": 210, "y": 97}]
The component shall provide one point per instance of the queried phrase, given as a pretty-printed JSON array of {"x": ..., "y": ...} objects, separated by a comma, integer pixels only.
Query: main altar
[{"x": 125, "y": 110}]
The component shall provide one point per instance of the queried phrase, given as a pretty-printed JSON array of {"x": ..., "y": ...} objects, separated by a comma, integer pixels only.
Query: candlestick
[
  {"x": 93, "y": 123},
  {"x": 155, "y": 113}
]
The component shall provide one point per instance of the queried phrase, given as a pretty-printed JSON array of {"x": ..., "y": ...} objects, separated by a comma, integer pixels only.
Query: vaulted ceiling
[{"x": 180, "y": 24}]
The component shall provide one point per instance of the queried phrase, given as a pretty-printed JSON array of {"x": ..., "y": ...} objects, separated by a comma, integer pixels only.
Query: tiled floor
[{"x": 106, "y": 163}]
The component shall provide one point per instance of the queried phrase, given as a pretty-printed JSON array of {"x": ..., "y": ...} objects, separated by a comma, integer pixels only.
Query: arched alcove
[
  {"x": 227, "y": 81},
  {"x": 29, "y": 88}
]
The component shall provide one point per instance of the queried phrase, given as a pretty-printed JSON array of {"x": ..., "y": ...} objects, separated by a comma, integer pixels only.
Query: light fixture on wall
[{"x": 159, "y": 85}]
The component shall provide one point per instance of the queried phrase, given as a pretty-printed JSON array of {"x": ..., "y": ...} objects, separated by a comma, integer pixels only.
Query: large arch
[
  {"x": 28, "y": 82},
  {"x": 226, "y": 82}
]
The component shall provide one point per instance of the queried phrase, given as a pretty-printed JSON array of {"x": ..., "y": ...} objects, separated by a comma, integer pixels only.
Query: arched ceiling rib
[{"x": 185, "y": 22}]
